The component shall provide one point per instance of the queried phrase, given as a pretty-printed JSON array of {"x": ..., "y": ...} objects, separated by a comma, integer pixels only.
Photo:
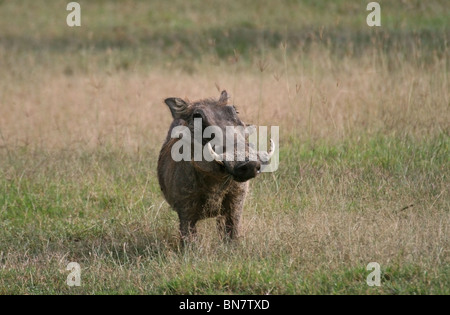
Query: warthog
[{"x": 200, "y": 189}]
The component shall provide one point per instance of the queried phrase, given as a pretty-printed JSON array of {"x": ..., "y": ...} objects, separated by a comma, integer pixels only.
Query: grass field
[{"x": 364, "y": 116}]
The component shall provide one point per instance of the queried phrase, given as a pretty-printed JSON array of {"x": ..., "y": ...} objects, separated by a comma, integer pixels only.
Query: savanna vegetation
[{"x": 364, "y": 122}]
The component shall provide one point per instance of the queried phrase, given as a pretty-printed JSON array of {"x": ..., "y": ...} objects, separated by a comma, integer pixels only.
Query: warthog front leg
[
  {"x": 232, "y": 206},
  {"x": 229, "y": 223},
  {"x": 228, "y": 227},
  {"x": 188, "y": 230}
]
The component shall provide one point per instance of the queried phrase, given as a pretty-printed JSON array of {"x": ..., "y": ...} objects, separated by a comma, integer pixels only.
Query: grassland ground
[{"x": 364, "y": 146}]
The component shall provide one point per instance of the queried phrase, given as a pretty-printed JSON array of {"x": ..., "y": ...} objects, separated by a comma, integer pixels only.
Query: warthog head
[{"x": 217, "y": 137}]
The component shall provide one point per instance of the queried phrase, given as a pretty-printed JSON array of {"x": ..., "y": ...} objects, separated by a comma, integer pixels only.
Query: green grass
[{"x": 105, "y": 213}]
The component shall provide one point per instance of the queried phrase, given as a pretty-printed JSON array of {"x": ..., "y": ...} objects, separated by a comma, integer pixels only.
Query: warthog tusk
[
  {"x": 213, "y": 153},
  {"x": 266, "y": 156}
]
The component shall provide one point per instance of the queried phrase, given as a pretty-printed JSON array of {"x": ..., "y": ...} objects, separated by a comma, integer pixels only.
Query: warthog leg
[
  {"x": 188, "y": 230},
  {"x": 232, "y": 205},
  {"x": 228, "y": 225}
]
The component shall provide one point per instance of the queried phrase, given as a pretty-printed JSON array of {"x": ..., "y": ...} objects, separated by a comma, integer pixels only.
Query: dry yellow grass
[{"x": 327, "y": 101}]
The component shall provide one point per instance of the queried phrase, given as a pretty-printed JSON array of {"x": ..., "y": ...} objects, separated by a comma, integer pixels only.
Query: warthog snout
[{"x": 246, "y": 170}]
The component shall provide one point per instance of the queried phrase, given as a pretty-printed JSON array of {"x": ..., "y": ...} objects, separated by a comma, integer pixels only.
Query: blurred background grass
[{"x": 178, "y": 34}]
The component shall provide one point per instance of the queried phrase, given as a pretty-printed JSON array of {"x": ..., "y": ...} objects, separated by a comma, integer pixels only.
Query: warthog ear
[
  {"x": 177, "y": 106},
  {"x": 224, "y": 98}
]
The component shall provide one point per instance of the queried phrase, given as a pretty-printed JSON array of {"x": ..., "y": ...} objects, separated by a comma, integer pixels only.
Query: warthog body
[{"x": 198, "y": 190}]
